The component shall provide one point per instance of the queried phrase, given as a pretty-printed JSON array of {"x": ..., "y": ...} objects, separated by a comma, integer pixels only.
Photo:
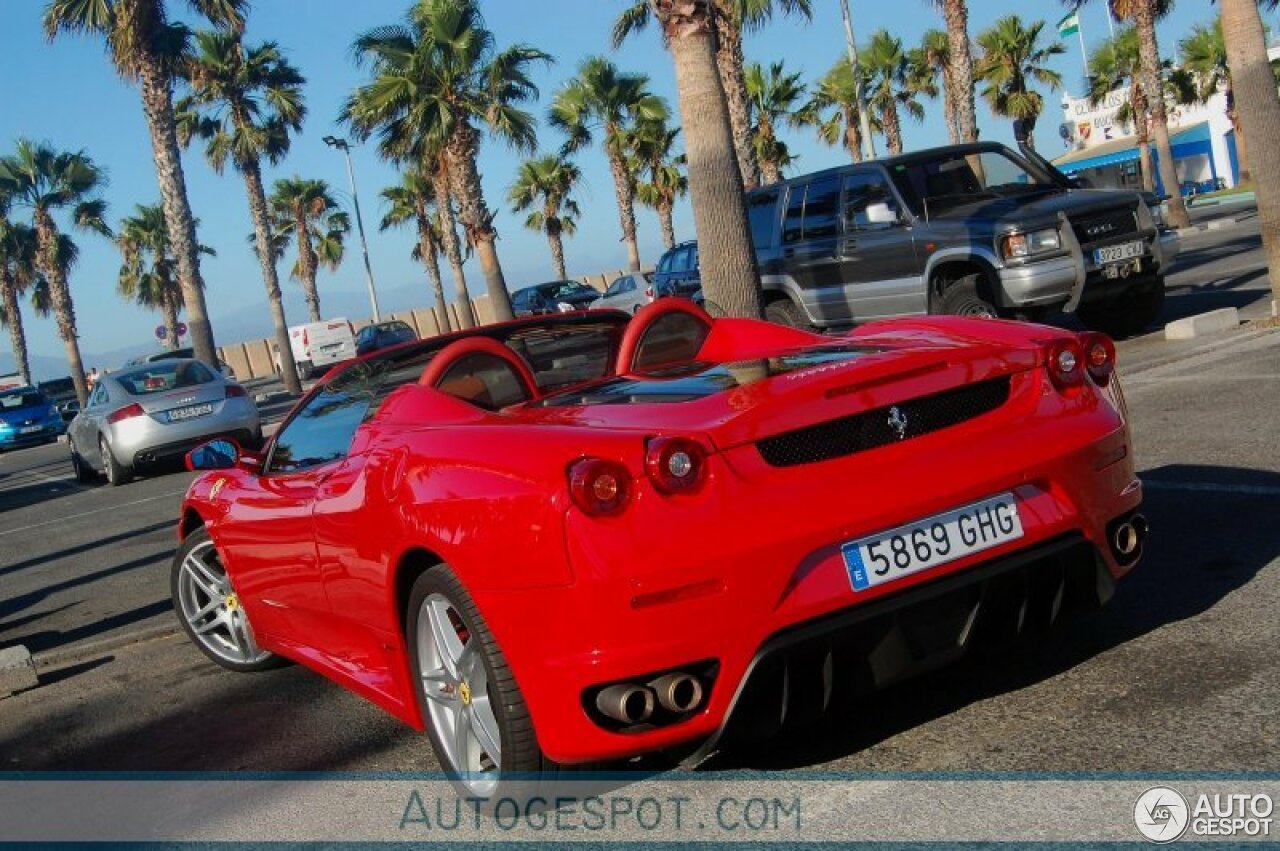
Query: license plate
[
  {"x": 1118, "y": 253},
  {"x": 924, "y": 544},
  {"x": 192, "y": 412},
  {"x": 331, "y": 347},
  {"x": 30, "y": 429}
]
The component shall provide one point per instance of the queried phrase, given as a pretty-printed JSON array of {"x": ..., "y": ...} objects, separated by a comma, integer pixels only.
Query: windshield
[
  {"x": 566, "y": 289},
  {"x": 164, "y": 375},
  {"x": 932, "y": 186},
  {"x": 14, "y": 400}
]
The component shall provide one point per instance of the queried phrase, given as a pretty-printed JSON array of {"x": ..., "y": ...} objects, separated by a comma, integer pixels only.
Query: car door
[
  {"x": 878, "y": 259},
  {"x": 612, "y": 293},
  {"x": 267, "y": 535},
  {"x": 810, "y": 247},
  {"x": 84, "y": 429}
]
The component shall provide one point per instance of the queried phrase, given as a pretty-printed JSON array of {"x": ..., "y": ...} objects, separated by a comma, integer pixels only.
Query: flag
[{"x": 1070, "y": 24}]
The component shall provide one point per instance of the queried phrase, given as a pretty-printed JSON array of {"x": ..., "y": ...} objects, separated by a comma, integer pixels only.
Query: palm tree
[
  {"x": 435, "y": 78},
  {"x": 1014, "y": 57},
  {"x": 897, "y": 80},
  {"x": 602, "y": 98},
  {"x": 146, "y": 48},
  {"x": 243, "y": 103},
  {"x": 652, "y": 147},
  {"x": 833, "y": 107},
  {"x": 45, "y": 180},
  {"x": 18, "y": 272},
  {"x": 149, "y": 272},
  {"x": 775, "y": 97},
  {"x": 730, "y": 19},
  {"x": 413, "y": 199},
  {"x": 935, "y": 50},
  {"x": 730, "y": 277},
  {"x": 1204, "y": 54},
  {"x": 544, "y": 186},
  {"x": 319, "y": 228},
  {"x": 959, "y": 68},
  {"x": 1116, "y": 65},
  {"x": 1255, "y": 88}
]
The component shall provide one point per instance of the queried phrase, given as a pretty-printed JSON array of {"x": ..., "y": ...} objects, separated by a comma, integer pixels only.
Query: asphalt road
[{"x": 1178, "y": 673}]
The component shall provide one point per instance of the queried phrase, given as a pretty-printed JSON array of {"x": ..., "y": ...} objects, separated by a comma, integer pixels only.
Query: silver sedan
[{"x": 151, "y": 414}]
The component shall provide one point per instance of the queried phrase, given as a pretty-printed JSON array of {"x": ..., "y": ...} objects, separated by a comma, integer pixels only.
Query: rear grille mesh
[
  {"x": 1106, "y": 226},
  {"x": 872, "y": 429}
]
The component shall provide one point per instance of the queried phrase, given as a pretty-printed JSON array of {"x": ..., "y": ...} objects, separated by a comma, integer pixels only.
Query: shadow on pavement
[
  {"x": 38, "y": 642},
  {"x": 78, "y": 549},
  {"x": 1201, "y": 549}
]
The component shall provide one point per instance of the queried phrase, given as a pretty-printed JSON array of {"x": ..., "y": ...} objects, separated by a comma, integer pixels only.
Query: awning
[{"x": 1126, "y": 149}]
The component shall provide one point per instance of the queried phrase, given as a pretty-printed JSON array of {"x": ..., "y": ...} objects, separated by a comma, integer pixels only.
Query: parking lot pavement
[{"x": 1178, "y": 672}]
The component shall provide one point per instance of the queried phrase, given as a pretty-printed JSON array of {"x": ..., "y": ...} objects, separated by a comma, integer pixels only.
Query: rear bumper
[
  {"x": 140, "y": 441},
  {"x": 14, "y": 440},
  {"x": 170, "y": 453}
]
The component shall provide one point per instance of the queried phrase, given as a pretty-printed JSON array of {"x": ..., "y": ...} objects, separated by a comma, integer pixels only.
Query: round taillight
[
  {"x": 675, "y": 464},
  {"x": 1066, "y": 364},
  {"x": 1099, "y": 357},
  {"x": 599, "y": 487}
]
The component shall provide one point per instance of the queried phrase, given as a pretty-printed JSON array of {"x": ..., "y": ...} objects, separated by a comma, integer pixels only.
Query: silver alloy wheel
[
  {"x": 456, "y": 685},
  {"x": 211, "y": 608},
  {"x": 105, "y": 451}
]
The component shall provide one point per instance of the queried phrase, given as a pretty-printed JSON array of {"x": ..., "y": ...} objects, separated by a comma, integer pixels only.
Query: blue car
[{"x": 27, "y": 417}]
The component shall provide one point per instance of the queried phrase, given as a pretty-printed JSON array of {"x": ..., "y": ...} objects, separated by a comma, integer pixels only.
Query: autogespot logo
[{"x": 1161, "y": 814}]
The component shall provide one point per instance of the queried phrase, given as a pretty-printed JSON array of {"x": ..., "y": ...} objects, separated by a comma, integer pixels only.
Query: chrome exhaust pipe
[
  {"x": 626, "y": 703},
  {"x": 678, "y": 692},
  {"x": 1126, "y": 539}
]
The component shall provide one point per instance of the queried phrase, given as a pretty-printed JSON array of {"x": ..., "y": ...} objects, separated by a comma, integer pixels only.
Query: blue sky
[{"x": 68, "y": 94}]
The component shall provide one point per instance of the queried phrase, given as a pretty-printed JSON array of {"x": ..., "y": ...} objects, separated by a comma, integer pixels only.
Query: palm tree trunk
[
  {"x": 157, "y": 102},
  {"x": 63, "y": 309},
  {"x": 730, "y": 277},
  {"x": 307, "y": 265},
  {"x": 557, "y": 253},
  {"x": 769, "y": 172},
  {"x": 950, "y": 113},
  {"x": 956, "y": 15},
  {"x": 892, "y": 130},
  {"x": 729, "y": 66},
  {"x": 169, "y": 310},
  {"x": 624, "y": 189},
  {"x": 1141, "y": 128},
  {"x": 1149, "y": 56},
  {"x": 13, "y": 318},
  {"x": 270, "y": 279},
  {"x": 1259, "y": 108},
  {"x": 476, "y": 218},
  {"x": 852, "y": 134},
  {"x": 430, "y": 253},
  {"x": 1233, "y": 115},
  {"x": 452, "y": 248},
  {"x": 665, "y": 207}
]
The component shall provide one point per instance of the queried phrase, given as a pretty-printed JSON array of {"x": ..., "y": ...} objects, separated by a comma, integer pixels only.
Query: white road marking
[
  {"x": 1213, "y": 487},
  {"x": 88, "y": 513}
]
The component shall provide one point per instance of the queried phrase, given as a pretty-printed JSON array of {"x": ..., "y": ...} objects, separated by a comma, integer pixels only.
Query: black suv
[
  {"x": 553, "y": 297},
  {"x": 678, "y": 272},
  {"x": 974, "y": 230}
]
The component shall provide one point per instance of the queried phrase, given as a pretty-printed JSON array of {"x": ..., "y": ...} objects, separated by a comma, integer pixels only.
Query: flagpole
[{"x": 1084, "y": 57}]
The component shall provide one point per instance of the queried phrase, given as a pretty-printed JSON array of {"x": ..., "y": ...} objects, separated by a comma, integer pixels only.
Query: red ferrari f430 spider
[{"x": 581, "y": 537}]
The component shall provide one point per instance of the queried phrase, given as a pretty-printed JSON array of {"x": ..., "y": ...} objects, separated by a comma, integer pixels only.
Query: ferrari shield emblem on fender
[{"x": 217, "y": 486}]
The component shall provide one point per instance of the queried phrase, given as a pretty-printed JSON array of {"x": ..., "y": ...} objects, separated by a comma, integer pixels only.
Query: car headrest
[
  {"x": 670, "y": 330},
  {"x": 481, "y": 371}
]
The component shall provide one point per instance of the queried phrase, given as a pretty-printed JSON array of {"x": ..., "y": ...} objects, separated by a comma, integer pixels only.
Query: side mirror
[
  {"x": 219, "y": 454},
  {"x": 881, "y": 213}
]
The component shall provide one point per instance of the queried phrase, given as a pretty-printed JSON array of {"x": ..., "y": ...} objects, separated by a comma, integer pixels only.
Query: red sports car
[{"x": 580, "y": 537}]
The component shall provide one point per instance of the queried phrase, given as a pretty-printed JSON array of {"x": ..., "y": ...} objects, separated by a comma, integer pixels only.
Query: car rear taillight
[
  {"x": 648, "y": 292},
  {"x": 235, "y": 391},
  {"x": 1065, "y": 363},
  {"x": 304, "y": 338},
  {"x": 128, "y": 412},
  {"x": 1099, "y": 357},
  {"x": 675, "y": 464},
  {"x": 599, "y": 487}
]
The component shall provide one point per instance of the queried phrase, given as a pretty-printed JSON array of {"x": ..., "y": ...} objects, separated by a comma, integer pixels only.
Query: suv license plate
[
  {"x": 892, "y": 554},
  {"x": 1118, "y": 253},
  {"x": 179, "y": 414}
]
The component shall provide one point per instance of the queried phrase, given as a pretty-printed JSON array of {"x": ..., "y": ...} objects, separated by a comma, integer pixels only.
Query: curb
[
  {"x": 268, "y": 398},
  {"x": 97, "y": 647},
  {"x": 1199, "y": 346}
]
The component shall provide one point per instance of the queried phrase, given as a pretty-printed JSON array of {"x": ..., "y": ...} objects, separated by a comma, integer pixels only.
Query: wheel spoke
[
  {"x": 462, "y": 738},
  {"x": 445, "y": 637},
  {"x": 485, "y": 728},
  {"x": 202, "y": 576},
  {"x": 208, "y": 626},
  {"x": 434, "y": 682},
  {"x": 213, "y": 606}
]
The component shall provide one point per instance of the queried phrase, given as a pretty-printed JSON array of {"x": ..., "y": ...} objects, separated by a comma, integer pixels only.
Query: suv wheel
[
  {"x": 963, "y": 298},
  {"x": 1126, "y": 316},
  {"x": 784, "y": 312}
]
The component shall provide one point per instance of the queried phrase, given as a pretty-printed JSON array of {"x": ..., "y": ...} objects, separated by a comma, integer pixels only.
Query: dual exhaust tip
[{"x": 676, "y": 693}]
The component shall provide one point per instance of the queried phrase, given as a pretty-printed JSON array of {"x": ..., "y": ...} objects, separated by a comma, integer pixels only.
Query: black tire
[
  {"x": 1127, "y": 316},
  {"x": 117, "y": 474},
  {"x": 964, "y": 297},
  {"x": 519, "y": 743},
  {"x": 83, "y": 472},
  {"x": 200, "y": 538},
  {"x": 784, "y": 311}
]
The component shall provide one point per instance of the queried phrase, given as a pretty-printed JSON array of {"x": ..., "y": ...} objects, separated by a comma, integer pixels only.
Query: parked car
[
  {"x": 27, "y": 417},
  {"x": 662, "y": 548},
  {"x": 678, "y": 271},
  {"x": 319, "y": 346},
  {"x": 145, "y": 416},
  {"x": 627, "y": 292},
  {"x": 183, "y": 353},
  {"x": 62, "y": 393},
  {"x": 553, "y": 297},
  {"x": 973, "y": 230},
  {"x": 381, "y": 335}
]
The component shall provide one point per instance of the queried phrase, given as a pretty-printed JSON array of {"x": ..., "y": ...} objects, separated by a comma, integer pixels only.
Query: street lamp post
[
  {"x": 864, "y": 121},
  {"x": 345, "y": 146}
]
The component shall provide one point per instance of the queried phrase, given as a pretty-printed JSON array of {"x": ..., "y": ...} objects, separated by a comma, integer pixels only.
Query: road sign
[
  {"x": 162, "y": 333},
  {"x": 182, "y": 329}
]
